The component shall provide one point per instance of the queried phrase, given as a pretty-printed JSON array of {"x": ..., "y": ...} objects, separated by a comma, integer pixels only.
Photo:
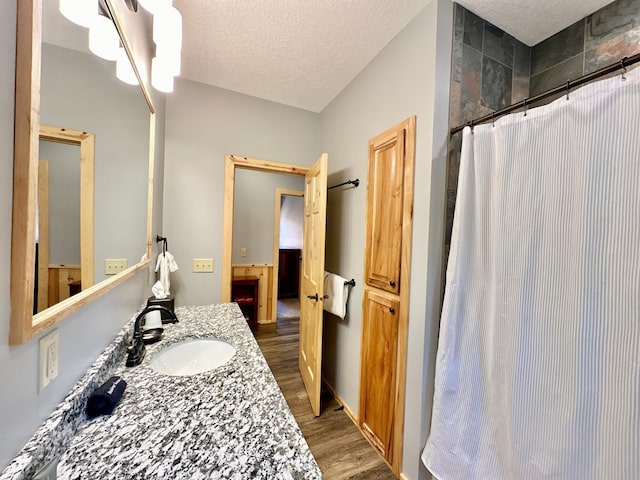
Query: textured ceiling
[
  {"x": 304, "y": 52},
  {"x": 532, "y": 21},
  {"x": 297, "y": 52}
]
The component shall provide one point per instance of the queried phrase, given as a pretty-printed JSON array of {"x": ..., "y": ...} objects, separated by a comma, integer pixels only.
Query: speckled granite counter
[{"x": 232, "y": 422}]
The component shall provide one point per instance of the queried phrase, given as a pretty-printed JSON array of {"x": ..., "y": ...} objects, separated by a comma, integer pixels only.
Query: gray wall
[
  {"x": 64, "y": 201},
  {"x": 74, "y": 87},
  {"x": 409, "y": 77},
  {"x": 291, "y": 221},
  {"x": 204, "y": 124},
  {"x": 83, "y": 335},
  {"x": 253, "y": 213}
]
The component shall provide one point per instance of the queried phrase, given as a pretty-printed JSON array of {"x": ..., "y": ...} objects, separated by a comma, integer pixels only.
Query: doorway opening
[
  {"x": 287, "y": 252},
  {"x": 312, "y": 276}
]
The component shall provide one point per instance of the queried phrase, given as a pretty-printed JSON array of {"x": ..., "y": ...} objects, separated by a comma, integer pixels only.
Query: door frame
[
  {"x": 42, "y": 261},
  {"x": 280, "y": 192},
  {"x": 231, "y": 163},
  {"x": 86, "y": 142}
]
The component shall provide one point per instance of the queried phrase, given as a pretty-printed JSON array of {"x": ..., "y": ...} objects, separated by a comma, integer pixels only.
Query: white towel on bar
[
  {"x": 166, "y": 264},
  {"x": 336, "y": 293}
]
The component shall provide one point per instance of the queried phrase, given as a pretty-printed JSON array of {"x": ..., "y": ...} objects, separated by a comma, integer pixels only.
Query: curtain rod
[{"x": 621, "y": 65}]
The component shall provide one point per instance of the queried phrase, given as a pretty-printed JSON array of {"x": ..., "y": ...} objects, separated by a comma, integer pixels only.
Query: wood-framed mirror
[{"x": 86, "y": 105}]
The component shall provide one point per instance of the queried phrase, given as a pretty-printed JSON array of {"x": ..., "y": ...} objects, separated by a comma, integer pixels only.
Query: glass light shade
[
  {"x": 167, "y": 28},
  {"x": 154, "y": 6},
  {"x": 103, "y": 38},
  {"x": 170, "y": 57},
  {"x": 124, "y": 70},
  {"x": 161, "y": 75},
  {"x": 81, "y": 12}
]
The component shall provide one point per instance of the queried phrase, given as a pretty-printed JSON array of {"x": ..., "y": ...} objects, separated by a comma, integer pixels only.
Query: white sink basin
[{"x": 191, "y": 357}]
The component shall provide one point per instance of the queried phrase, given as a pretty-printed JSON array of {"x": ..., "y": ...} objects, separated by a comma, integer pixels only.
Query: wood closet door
[
  {"x": 384, "y": 216},
  {"x": 379, "y": 369},
  {"x": 385, "y": 303}
]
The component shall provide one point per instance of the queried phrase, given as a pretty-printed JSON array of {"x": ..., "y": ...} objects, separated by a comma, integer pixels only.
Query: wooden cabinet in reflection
[{"x": 244, "y": 291}]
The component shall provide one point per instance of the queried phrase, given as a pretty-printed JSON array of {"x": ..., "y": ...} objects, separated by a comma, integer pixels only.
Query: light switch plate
[
  {"x": 114, "y": 265},
  {"x": 48, "y": 358},
  {"x": 203, "y": 265}
]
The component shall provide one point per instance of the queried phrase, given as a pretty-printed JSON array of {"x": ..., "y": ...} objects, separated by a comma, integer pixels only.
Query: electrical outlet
[
  {"x": 114, "y": 265},
  {"x": 48, "y": 358},
  {"x": 243, "y": 252},
  {"x": 203, "y": 265}
]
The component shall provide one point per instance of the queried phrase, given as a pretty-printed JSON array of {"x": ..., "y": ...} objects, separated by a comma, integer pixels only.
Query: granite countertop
[{"x": 232, "y": 422}]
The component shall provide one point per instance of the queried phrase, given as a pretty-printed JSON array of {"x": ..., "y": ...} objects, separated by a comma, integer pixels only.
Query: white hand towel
[
  {"x": 166, "y": 264},
  {"x": 336, "y": 294}
]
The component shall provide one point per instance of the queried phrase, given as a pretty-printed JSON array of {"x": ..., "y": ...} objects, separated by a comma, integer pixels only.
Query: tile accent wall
[
  {"x": 592, "y": 43},
  {"x": 491, "y": 69}
]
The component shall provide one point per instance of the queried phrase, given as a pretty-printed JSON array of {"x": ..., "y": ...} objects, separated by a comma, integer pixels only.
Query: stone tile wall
[
  {"x": 491, "y": 69},
  {"x": 592, "y": 43}
]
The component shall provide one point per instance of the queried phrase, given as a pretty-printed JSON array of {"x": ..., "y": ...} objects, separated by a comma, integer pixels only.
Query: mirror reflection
[{"x": 80, "y": 92}]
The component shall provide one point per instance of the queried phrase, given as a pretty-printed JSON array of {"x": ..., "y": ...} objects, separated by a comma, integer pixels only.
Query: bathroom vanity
[{"x": 230, "y": 422}]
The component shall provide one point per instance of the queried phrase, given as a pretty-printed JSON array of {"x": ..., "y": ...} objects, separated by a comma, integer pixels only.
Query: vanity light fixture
[
  {"x": 124, "y": 70},
  {"x": 170, "y": 58},
  {"x": 81, "y": 12},
  {"x": 153, "y": 6},
  {"x": 161, "y": 75},
  {"x": 103, "y": 38},
  {"x": 167, "y": 35},
  {"x": 167, "y": 28}
]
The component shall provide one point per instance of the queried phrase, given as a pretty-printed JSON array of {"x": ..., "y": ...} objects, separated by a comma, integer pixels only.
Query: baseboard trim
[
  {"x": 346, "y": 408},
  {"x": 353, "y": 418}
]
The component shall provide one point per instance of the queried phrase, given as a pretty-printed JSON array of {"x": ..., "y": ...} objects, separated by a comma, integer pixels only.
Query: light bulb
[
  {"x": 124, "y": 70},
  {"x": 103, "y": 38},
  {"x": 161, "y": 75},
  {"x": 154, "y": 6},
  {"x": 81, "y": 12},
  {"x": 167, "y": 28},
  {"x": 170, "y": 57}
]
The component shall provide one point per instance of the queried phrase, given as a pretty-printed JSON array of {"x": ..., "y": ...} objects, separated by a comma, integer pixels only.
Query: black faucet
[{"x": 136, "y": 349}]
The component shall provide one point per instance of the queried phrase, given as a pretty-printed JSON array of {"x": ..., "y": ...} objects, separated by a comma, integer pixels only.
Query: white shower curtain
[{"x": 538, "y": 364}]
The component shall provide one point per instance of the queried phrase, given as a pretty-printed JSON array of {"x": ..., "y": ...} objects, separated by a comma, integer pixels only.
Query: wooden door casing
[
  {"x": 384, "y": 217},
  {"x": 42, "y": 286},
  {"x": 312, "y": 288}
]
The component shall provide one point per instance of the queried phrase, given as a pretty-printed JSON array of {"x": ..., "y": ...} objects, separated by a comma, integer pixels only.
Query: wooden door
[
  {"x": 379, "y": 369},
  {"x": 312, "y": 288},
  {"x": 384, "y": 218},
  {"x": 385, "y": 304}
]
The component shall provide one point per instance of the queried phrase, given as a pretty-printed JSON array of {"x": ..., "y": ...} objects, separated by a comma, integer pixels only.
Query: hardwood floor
[{"x": 338, "y": 446}]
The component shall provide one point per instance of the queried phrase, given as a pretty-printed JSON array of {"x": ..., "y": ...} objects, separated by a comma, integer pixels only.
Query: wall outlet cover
[
  {"x": 48, "y": 347},
  {"x": 115, "y": 265},
  {"x": 203, "y": 265}
]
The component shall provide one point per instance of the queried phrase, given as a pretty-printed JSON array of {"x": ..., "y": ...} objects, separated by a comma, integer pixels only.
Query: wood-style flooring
[{"x": 337, "y": 445}]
